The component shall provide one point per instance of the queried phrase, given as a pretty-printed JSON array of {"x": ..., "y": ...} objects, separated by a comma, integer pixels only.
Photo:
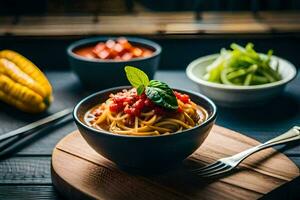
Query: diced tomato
[
  {"x": 143, "y": 96},
  {"x": 118, "y": 48},
  {"x": 127, "y": 110},
  {"x": 122, "y": 40},
  {"x": 135, "y": 111},
  {"x": 139, "y": 104},
  {"x": 99, "y": 47},
  {"x": 147, "y": 53},
  {"x": 182, "y": 97},
  {"x": 118, "y": 58},
  {"x": 127, "y": 56},
  {"x": 149, "y": 103},
  {"x": 125, "y": 44},
  {"x": 110, "y": 44},
  {"x": 137, "y": 52},
  {"x": 179, "y": 110},
  {"x": 185, "y": 98},
  {"x": 103, "y": 54},
  {"x": 113, "y": 53},
  {"x": 113, "y": 107},
  {"x": 133, "y": 104}
]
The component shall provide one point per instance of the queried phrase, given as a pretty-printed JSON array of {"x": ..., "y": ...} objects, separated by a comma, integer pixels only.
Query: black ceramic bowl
[
  {"x": 97, "y": 73},
  {"x": 141, "y": 152}
]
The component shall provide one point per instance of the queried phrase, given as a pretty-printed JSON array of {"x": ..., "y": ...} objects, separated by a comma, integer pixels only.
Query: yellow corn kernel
[
  {"x": 12, "y": 71},
  {"x": 19, "y": 91},
  {"x": 22, "y": 84},
  {"x": 27, "y": 67}
]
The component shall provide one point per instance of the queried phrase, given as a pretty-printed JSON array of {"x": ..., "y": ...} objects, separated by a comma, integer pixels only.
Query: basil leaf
[
  {"x": 136, "y": 77},
  {"x": 161, "y": 94},
  {"x": 140, "y": 89}
]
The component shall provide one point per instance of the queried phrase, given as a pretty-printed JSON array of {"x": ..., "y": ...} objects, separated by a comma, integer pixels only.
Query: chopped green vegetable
[
  {"x": 242, "y": 66},
  {"x": 248, "y": 79}
]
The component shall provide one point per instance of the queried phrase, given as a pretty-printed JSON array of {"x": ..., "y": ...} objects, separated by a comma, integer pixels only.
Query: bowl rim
[
  {"x": 193, "y": 77},
  {"x": 93, "y": 130},
  {"x": 90, "y": 40}
]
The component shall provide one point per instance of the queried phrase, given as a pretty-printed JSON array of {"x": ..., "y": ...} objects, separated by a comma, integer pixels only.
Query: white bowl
[{"x": 239, "y": 96}]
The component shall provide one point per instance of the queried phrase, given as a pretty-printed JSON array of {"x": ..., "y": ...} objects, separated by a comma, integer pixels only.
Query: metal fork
[{"x": 226, "y": 164}]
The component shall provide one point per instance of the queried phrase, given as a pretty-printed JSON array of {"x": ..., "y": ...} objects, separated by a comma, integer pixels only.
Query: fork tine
[
  {"x": 215, "y": 171},
  {"x": 208, "y": 167}
]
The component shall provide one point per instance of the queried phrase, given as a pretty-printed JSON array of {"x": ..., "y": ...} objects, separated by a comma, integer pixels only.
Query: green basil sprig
[
  {"x": 161, "y": 94},
  {"x": 137, "y": 78},
  {"x": 158, "y": 92}
]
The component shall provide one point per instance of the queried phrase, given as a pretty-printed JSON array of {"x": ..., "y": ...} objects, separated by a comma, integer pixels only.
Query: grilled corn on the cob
[{"x": 22, "y": 84}]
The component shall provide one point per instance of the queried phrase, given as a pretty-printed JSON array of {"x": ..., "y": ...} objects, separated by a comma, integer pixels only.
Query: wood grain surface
[
  {"x": 79, "y": 172},
  {"x": 154, "y": 23}
]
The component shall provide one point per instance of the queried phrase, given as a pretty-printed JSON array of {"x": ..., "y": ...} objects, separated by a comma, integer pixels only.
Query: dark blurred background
[
  {"x": 33, "y": 7},
  {"x": 186, "y": 29}
]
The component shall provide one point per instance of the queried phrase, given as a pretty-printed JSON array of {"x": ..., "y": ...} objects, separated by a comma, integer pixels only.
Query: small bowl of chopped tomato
[{"x": 99, "y": 62}]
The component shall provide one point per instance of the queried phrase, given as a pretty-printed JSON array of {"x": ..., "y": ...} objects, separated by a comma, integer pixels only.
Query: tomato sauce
[
  {"x": 119, "y": 49},
  {"x": 133, "y": 104}
]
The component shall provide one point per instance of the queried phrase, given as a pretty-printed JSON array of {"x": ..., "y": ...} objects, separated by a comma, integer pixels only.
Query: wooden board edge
[{"x": 62, "y": 186}]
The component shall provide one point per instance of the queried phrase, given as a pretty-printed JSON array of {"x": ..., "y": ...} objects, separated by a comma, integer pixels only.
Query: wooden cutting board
[{"x": 78, "y": 172}]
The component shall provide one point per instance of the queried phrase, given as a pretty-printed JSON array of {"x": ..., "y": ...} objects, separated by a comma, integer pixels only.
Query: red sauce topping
[
  {"x": 133, "y": 104},
  {"x": 119, "y": 49},
  {"x": 182, "y": 97}
]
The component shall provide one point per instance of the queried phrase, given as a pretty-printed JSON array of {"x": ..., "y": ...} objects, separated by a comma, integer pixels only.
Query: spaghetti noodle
[{"x": 127, "y": 113}]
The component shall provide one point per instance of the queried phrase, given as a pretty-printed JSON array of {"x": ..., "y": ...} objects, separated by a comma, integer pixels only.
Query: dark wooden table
[{"x": 25, "y": 166}]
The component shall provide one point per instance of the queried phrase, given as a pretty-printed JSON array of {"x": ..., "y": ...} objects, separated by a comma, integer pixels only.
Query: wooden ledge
[{"x": 153, "y": 24}]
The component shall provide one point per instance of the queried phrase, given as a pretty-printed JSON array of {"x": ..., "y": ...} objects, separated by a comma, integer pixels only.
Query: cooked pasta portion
[{"x": 130, "y": 114}]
